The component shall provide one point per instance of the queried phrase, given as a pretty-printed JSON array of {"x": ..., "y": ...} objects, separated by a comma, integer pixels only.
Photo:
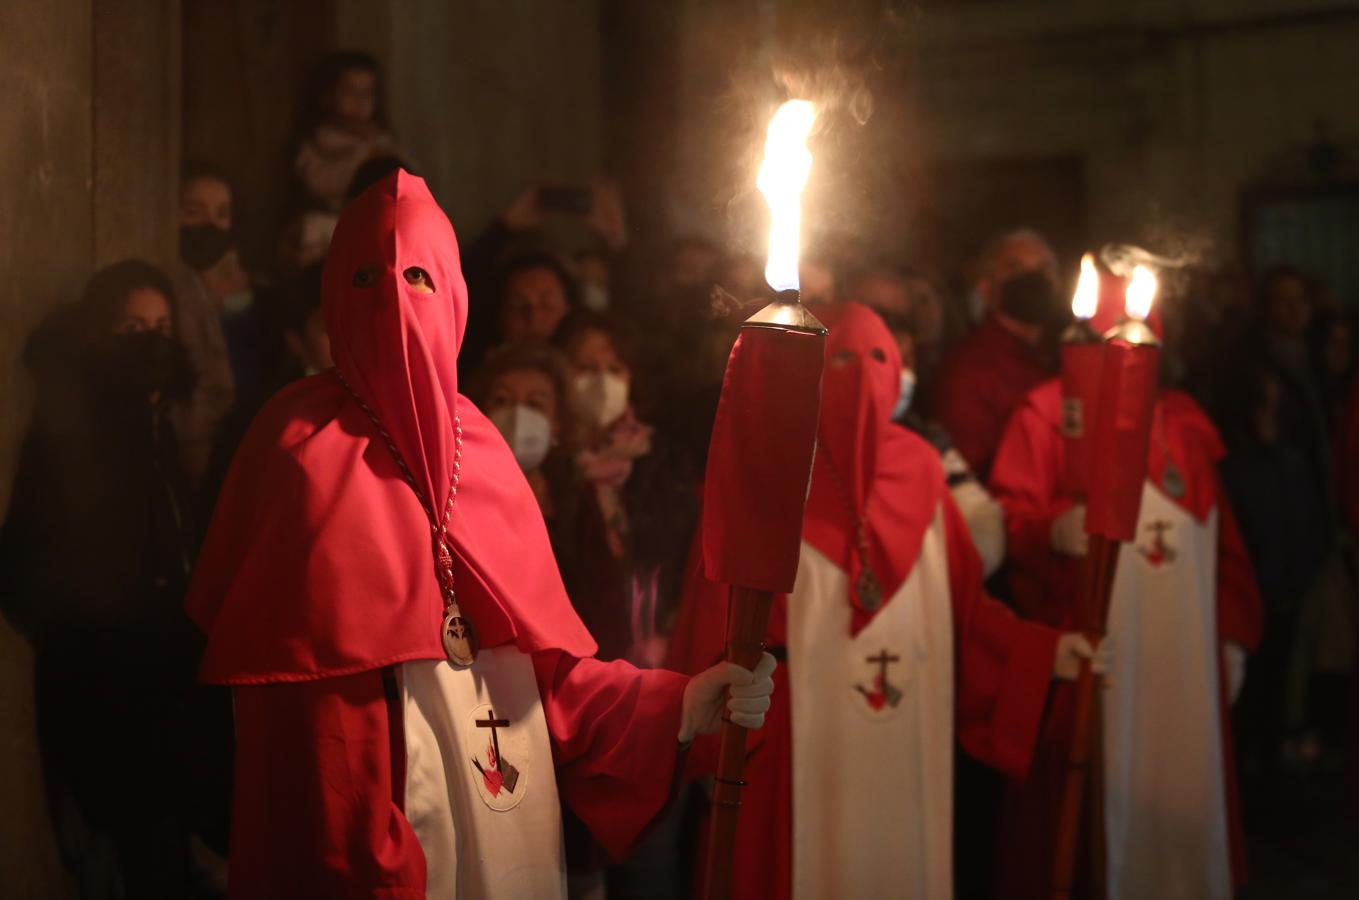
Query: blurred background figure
[
  {"x": 983, "y": 379},
  {"x": 345, "y": 125},
  {"x": 205, "y": 216},
  {"x": 520, "y": 275},
  {"x": 304, "y": 327},
  {"x": 95, "y": 556},
  {"x": 204, "y": 196}
]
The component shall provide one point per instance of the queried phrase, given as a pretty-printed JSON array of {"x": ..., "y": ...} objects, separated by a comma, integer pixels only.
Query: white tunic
[
  {"x": 1165, "y": 794},
  {"x": 872, "y": 761},
  {"x": 482, "y": 800}
]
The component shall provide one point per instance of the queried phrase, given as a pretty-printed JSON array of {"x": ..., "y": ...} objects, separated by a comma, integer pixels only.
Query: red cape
[
  {"x": 318, "y": 573},
  {"x": 319, "y": 560},
  {"x": 1003, "y": 666},
  {"x": 1026, "y": 478}
]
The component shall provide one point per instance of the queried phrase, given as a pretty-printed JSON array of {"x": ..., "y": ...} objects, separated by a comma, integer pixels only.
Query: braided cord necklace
[
  {"x": 867, "y": 587},
  {"x": 458, "y": 636}
]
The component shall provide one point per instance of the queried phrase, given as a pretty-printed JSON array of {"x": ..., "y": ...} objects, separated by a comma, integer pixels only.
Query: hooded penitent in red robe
[
  {"x": 317, "y": 586},
  {"x": 1026, "y": 478},
  {"x": 850, "y": 781}
]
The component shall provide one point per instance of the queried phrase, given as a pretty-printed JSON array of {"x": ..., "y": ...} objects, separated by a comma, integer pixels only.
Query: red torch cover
[
  {"x": 1128, "y": 386},
  {"x": 1081, "y": 367},
  {"x": 760, "y": 458}
]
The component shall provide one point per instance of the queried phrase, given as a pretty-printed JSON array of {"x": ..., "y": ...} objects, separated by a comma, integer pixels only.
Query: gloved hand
[
  {"x": 1074, "y": 647},
  {"x": 747, "y": 704},
  {"x": 1234, "y": 665},
  {"x": 1068, "y": 532}
]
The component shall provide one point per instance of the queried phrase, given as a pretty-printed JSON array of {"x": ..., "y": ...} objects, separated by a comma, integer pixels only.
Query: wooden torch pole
[
  {"x": 747, "y": 623},
  {"x": 1095, "y": 582}
]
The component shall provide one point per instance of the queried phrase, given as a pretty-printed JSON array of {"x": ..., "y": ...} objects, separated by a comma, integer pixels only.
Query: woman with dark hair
[
  {"x": 94, "y": 562},
  {"x": 637, "y": 487},
  {"x": 535, "y": 295}
]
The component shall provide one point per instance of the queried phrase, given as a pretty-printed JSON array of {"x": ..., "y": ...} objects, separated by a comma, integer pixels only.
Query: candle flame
[
  {"x": 1140, "y": 292},
  {"x": 1085, "y": 301},
  {"x": 783, "y": 173}
]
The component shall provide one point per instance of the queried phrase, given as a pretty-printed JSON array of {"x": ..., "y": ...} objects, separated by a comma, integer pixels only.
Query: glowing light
[
  {"x": 783, "y": 173},
  {"x": 1140, "y": 293},
  {"x": 1085, "y": 301}
]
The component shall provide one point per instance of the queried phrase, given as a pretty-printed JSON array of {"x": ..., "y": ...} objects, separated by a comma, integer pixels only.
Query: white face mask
[
  {"x": 527, "y": 431},
  {"x": 904, "y": 398},
  {"x": 594, "y": 297},
  {"x": 238, "y": 302},
  {"x": 603, "y": 396}
]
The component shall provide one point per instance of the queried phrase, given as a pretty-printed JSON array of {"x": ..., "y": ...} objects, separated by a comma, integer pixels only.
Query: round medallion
[
  {"x": 868, "y": 590},
  {"x": 1173, "y": 481},
  {"x": 460, "y": 638}
]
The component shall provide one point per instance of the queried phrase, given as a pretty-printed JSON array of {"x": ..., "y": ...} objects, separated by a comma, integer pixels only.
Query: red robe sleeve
[
  {"x": 1024, "y": 480},
  {"x": 316, "y": 809},
  {"x": 1004, "y": 664},
  {"x": 615, "y": 741}
]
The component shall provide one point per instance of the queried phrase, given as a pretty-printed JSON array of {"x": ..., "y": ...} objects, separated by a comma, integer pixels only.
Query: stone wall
[{"x": 91, "y": 127}]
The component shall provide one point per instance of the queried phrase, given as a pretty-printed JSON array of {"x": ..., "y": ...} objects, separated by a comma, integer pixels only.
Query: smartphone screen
[{"x": 565, "y": 199}]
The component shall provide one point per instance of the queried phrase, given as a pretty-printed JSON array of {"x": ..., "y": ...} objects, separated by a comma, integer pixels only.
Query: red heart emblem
[
  {"x": 877, "y": 699},
  {"x": 493, "y": 780}
]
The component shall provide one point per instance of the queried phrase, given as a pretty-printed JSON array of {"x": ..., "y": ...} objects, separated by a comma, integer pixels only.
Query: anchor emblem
[{"x": 883, "y": 693}]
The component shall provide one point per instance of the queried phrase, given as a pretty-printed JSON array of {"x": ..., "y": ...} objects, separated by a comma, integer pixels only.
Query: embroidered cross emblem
[
  {"x": 1159, "y": 553},
  {"x": 498, "y": 773},
  {"x": 883, "y": 693}
]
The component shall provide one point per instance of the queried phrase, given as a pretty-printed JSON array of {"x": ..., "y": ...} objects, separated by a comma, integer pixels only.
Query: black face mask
[
  {"x": 201, "y": 246},
  {"x": 1032, "y": 298},
  {"x": 141, "y": 363}
]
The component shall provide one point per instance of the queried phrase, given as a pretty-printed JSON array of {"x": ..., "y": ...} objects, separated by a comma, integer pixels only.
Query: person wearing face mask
[
  {"x": 94, "y": 561},
  {"x": 220, "y": 278},
  {"x": 205, "y": 209},
  {"x": 529, "y": 392},
  {"x": 413, "y": 692},
  {"x": 525, "y": 390},
  {"x": 640, "y": 486},
  {"x": 985, "y": 377},
  {"x": 893, "y": 648}
]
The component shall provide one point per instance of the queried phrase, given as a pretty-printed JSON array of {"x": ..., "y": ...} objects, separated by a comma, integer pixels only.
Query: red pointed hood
[
  {"x": 397, "y": 348},
  {"x": 319, "y": 560},
  {"x": 866, "y": 467}
]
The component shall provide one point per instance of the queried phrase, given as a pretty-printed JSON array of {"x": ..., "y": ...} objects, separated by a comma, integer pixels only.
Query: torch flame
[
  {"x": 783, "y": 173},
  {"x": 1140, "y": 292},
  {"x": 1085, "y": 301}
]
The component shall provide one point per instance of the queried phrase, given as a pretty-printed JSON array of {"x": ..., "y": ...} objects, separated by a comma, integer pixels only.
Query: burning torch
[
  {"x": 760, "y": 458},
  {"x": 1109, "y": 387}
]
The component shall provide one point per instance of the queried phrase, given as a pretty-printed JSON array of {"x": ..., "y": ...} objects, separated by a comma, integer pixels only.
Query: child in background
[{"x": 345, "y": 127}]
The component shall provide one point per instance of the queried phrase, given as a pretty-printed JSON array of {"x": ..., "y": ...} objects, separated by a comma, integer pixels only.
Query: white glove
[
  {"x": 1068, "y": 532},
  {"x": 746, "y": 705},
  {"x": 1073, "y": 647},
  {"x": 1234, "y": 664}
]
